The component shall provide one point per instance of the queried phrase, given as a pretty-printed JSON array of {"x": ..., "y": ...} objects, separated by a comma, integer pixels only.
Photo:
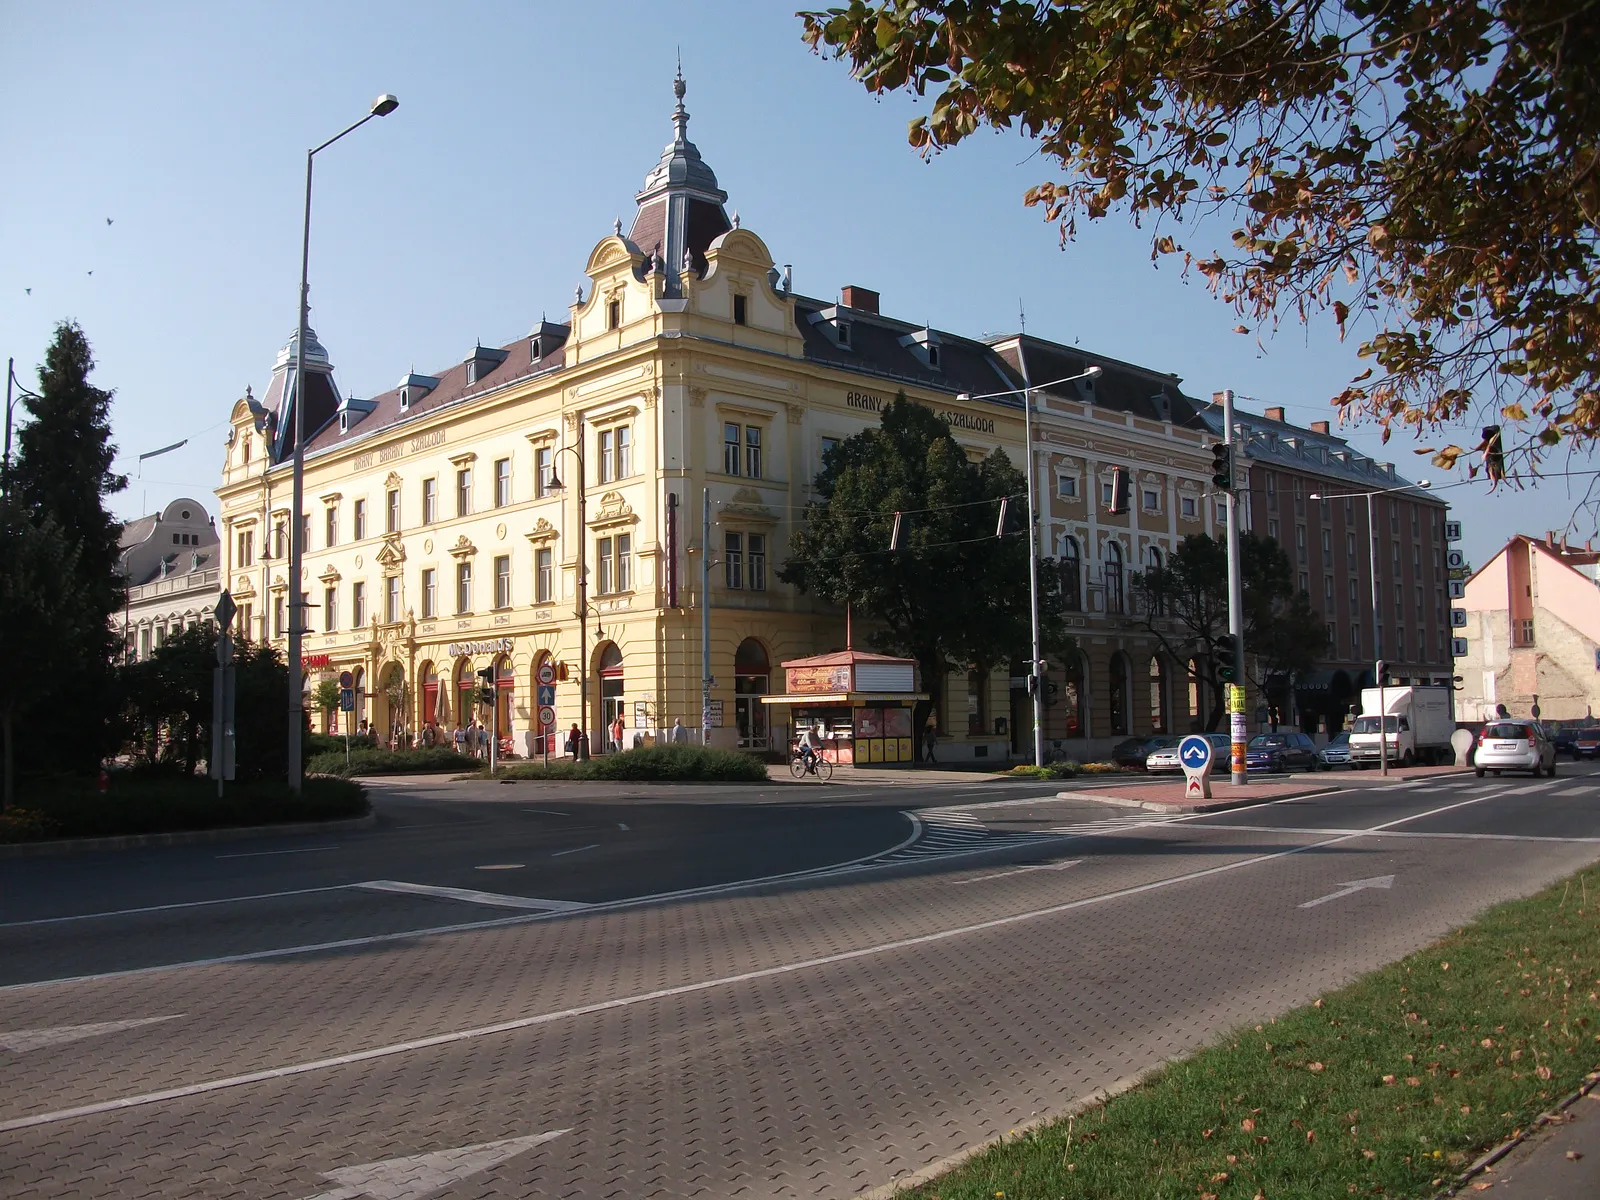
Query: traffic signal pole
[{"x": 1236, "y": 722}]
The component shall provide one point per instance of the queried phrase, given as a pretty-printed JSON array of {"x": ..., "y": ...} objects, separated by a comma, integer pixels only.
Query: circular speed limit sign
[{"x": 547, "y": 716}]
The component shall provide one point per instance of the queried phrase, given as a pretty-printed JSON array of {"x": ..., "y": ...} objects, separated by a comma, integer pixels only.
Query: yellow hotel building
[{"x": 447, "y": 518}]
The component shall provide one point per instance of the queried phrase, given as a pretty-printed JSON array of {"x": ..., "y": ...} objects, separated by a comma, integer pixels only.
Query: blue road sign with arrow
[{"x": 1194, "y": 752}]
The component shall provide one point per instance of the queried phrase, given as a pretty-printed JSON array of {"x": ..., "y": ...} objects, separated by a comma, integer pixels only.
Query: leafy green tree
[
  {"x": 1184, "y": 604},
  {"x": 326, "y": 698},
  {"x": 1431, "y": 169},
  {"x": 953, "y": 594},
  {"x": 63, "y": 474},
  {"x": 33, "y": 614}
]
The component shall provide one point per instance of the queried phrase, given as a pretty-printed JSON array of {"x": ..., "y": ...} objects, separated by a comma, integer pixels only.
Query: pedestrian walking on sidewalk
[{"x": 930, "y": 738}]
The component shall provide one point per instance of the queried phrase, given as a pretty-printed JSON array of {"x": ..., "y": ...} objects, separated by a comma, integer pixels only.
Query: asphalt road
[{"x": 612, "y": 1012}]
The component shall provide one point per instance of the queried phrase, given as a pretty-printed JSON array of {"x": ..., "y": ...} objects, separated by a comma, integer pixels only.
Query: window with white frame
[
  {"x": 394, "y": 510},
  {"x": 1067, "y": 487},
  {"x": 464, "y": 492},
  {"x": 606, "y": 460},
  {"x": 247, "y": 547},
  {"x": 1186, "y": 506},
  {"x": 502, "y": 581},
  {"x": 544, "y": 463},
  {"x": 1115, "y": 597},
  {"x": 1071, "y": 575},
  {"x": 1152, "y": 500},
  {"x": 624, "y": 451},
  {"x": 330, "y": 526},
  {"x": 391, "y": 599},
  {"x": 752, "y": 451},
  {"x": 278, "y": 610},
  {"x": 1327, "y": 591},
  {"x": 360, "y": 529},
  {"x": 502, "y": 482},
  {"x": 1272, "y": 528},
  {"x": 463, "y": 587},
  {"x": 358, "y": 605},
  {"x": 543, "y": 574},
  {"x": 733, "y": 559},
  {"x": 430, "y": 501},
  {"x": 1355, "y": 641},
  {"x": 616, "y": 564},
  {"x": 430, "y": 594},
  {"x": 330, "y": 609}
]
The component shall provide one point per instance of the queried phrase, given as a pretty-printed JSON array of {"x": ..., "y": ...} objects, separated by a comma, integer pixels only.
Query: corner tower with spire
[{"x": 680, "y": 207}]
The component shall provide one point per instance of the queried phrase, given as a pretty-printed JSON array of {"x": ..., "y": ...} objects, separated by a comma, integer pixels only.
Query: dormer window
[
  {"x": 613, "y": 314},
  {"x": 933, "y": 355},
  {"x": 844, "y": 334},
  {"x": 405, "y": 399},
  {"x": 740, "y": 310},
  {"x": 535, "y": 351}
]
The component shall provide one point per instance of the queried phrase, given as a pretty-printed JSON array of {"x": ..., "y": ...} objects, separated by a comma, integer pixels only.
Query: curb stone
[
  {"x": 1590, "y": 1082},
  {"x": 1203, "y": 807},
  {"x": 181, "y": 837}
]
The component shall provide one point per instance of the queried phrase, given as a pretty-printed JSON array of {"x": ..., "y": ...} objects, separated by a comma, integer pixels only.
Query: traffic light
[
  {"x": 1119, "y": 491},
  {"x": 1494, "y": 455},
  {"x": 1226, "y": 652},
  {"x": 1383, "y": 672},
  {"x": 486, "y": 693},
  {"x": 1222, "y": 466}
]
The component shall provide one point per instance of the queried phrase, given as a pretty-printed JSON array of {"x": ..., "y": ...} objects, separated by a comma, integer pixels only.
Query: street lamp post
[
  {"x": 580, "y": 749},
  {"x": 381, "y": 107},
  {"x": 1036, "y": 663},
  {"x": 1372, "y": 568},
  {"x": 5, "y": 463}
]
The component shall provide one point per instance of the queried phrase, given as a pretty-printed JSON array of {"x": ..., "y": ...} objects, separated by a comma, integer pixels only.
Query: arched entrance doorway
[
  {"x": 504, "y": 686},
  {"x": 752, "y": 676},
  {"x": 428, "y": 715},
  {"x": 1074, "y": 697},
  {"x": 462, "y": 681},
  {"x": 1118, "y": 695},
  {"x": 1158, "y": 696},
  {"x": 359, "y": 716},
  {"x": 608, "y": 666}
]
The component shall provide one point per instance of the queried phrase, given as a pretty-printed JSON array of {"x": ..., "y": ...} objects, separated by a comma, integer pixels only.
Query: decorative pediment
[
  {"x": 539, "y": 436},
  {"x": 747, "y": 506},
  {"x": 390, "y": 555},
  {"x": 243, "y": 588},
  {"x": 463, "y": 548},
  {"x": 543, "y": 533},
  {"x": 612, "y": 510},
  {"x": 392, "y": 480},
  {"x": 330, "y": 574},
  {"x": 332, "y": 497},
  {"x": 462, "y": 460},
  {"x": 280, "y": 584}
]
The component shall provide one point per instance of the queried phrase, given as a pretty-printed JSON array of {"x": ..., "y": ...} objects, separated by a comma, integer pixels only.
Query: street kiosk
[{"x": 864, "y": 703}]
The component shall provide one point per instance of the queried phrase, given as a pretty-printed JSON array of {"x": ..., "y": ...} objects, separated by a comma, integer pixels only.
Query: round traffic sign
[
  {"x": 346, "y": 680},
  {"x": 547, "y": 716},
  {"x": 547, "y": 672},
  {"x": 1194, "y": 752}
]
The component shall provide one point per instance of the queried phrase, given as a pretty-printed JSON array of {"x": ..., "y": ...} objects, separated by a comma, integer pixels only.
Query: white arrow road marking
[
  {"x": 20, "y": 1041},
  {"x": 1060, "y": 866},
  {"x": 1352, "y": 886},
  {"x": 420, "y": 1175},
  {"x": 492, "y": 899}
]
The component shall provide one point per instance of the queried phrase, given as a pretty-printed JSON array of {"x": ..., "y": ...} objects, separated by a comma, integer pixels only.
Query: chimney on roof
[
  {"x": 1319, "y": 427},
  {"x": 859, "y": 298},
  {"x": 1274, "y": 414}
]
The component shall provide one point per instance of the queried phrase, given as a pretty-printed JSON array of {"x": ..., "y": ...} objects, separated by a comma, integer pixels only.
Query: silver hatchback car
[{"x": 1515, "y": 746}]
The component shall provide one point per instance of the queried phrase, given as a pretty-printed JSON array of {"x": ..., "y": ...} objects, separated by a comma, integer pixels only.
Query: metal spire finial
[
  {"x": 680, "y": 115},
  {"x": 616, "y": 226}
]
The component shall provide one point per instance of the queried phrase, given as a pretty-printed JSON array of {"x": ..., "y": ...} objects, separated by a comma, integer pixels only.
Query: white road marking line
[
  {"x": 620, "y": 1002},
  {"x": 1574, "y": 791},
  {"x": 501, "y": 867},
  {"x": 1061, "y": 866},
  {"x": 548, "y": 812},
  {"x": 492, "y": 899},
  {"x": 622, "y": 825},
  {"x": 20, "y": 1041},
  {"x": 150, "y": 908},
  {"x": 1408, "y": 833},
  {"x": 867, "y": 862},
  {"x": 576, "y": 850},
  {"x": 421, "y": 1175},
  {"x": 270, "y": 853},
  {"x": 1351, "y": 888}
]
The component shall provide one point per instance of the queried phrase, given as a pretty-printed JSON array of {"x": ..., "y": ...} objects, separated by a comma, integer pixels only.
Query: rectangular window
[
  {"x": 394, "y": 510},
  {"x": 358, "y": 605},
  {"x": 758, "y": 562},
  {"x": 430, "y": 501},
  {"x": 1400, "y": 641},
  {"x": 1327, "y": 592},
  {"x": 464, "y": 492},
  {"x": 733, "y": 559},
  {"x": 604, "y": 551},
  {"x": 544, "y": 460},
  {"x": 1327, "y": 542},
  {"x": 1305, "y": 582},
  {"x": 1067, "y": 486},
  {"x": 613, "y": 314},
  {"x": 430, "y": 594},
  {"x": 360, "y": 530},
  {"x": 247, "y": 547},
  {"x": 608, "y": 455},
  {"x": 391, "y": 599},
  {"x": 502, "y": 482},
  {"x": 730, "y": 449},
  {"x": 1299, "y": 499},
  {"x": 277, "y": 616},
  {"x": 1272, "y": 528},
  {"x": 1333, "y": 634},
  {"x": 827, "y": 444},
  {"x": 1394, "y": 517},
  {"x": 752, "y": 451},
  {"x": 1355, "y": 641},
  {"x": 624, "y": 452},
  {"x": 1350, "y": 546},
  {"x": 1186, "y": 506},
  {"x": 502, "y": 581},
  {"x": 305, "y": 531},
  {"x": 1416, "y": 528},
  {"x": 543, "y": 572},
  {"x": 1416, "y": 561},
  {"x": 1107, "y": 492},
  {"x": 1300, "y": 542},
  {"x": 1353, "y": 583},
  {"x": 330, "y": 609},
  {"x": 464, "y": 587},
  {"x": 1349, "y": 512},
  {"x": 739, "y": 309},
  {"x": 624, "y": 562},
  {"x": 1272, "y": 489},
  {"x": 1152, "y": 500},
  {"x": 330, "y": 525}
]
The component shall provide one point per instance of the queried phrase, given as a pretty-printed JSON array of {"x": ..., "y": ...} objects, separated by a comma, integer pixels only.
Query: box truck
[{"x": 1417, "y": 723}]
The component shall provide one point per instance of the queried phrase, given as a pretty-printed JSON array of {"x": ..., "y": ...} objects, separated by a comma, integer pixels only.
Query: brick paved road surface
[{"x": 816, "y": 1037}]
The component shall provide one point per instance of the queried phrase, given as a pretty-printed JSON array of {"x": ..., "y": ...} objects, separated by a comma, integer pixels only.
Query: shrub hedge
[
  {"x": 372, "y": 761},
  {"x": 662, "y": 764}
]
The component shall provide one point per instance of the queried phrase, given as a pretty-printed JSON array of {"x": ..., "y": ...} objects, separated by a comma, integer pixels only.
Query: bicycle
[{"x": 820, "y": 767}]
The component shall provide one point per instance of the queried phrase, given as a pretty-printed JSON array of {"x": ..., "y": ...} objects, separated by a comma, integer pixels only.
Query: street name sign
[{"x": 1194, "y": 754}]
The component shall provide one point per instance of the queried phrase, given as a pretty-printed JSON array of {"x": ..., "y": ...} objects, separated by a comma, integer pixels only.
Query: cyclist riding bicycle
[{"x": 811, "y": 745}]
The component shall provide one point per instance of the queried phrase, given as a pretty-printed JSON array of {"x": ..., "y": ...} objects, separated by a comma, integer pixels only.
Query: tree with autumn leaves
[{"x": 1427, "y": 172}]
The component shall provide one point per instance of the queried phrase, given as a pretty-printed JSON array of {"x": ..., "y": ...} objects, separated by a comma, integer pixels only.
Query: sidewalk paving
[{"x": 1561, "y": 1162}]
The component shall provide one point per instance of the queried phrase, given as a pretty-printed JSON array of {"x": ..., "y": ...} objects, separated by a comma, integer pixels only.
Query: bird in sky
[
  {"x": 28, "y": 290},
  {"x": 108, "y": 220},
  {"x": 91, "y": 272}
]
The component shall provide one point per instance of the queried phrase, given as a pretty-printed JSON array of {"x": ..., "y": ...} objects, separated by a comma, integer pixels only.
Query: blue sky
[{"x": 523, "y": 130}]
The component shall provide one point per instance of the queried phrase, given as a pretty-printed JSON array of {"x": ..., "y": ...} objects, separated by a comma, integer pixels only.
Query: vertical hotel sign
[{"x": 672, "y": 549}]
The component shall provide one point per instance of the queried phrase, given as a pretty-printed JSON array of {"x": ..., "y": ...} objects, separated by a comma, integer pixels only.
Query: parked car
[
  {"x": 1336, "y": 753},
  {"x": 1165, "y": 758},
  {"x": 1280, "y": 752},
  {"x": 1134, "y": 751},
  {"x": 1515, "y": 746},
  {"x": 1563, "y": 739},
  {"x": 1585, "y": 743}
]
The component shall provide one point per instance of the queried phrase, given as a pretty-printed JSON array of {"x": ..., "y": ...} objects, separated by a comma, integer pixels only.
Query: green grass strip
[{"x": 1388, "y": 1087}]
